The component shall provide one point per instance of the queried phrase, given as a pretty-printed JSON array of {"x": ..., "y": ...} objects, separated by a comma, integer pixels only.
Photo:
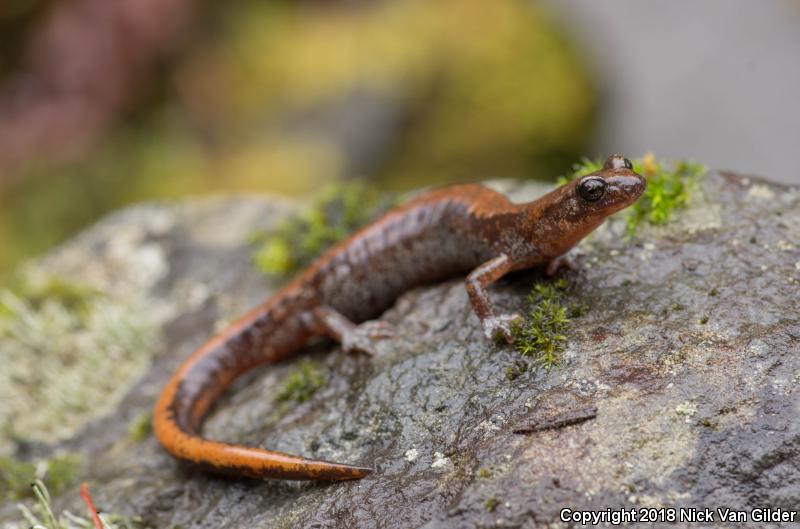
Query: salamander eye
[
  {"x": 628, "y": 164},
  {"x": 592, "y": 189}
]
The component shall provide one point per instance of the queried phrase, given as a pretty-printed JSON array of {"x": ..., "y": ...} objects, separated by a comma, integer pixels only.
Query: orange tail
[{"x": 188, "y": 396}]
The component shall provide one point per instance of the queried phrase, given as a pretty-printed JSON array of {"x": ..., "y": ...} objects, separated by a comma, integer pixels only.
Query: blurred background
[{"x": 104, "y": 103}]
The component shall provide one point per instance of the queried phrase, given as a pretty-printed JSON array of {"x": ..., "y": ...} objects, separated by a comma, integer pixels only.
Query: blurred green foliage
[{"x": 482, "y": 89}]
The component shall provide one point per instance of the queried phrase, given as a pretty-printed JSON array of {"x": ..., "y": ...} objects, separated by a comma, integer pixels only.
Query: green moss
[
  {"x": 62, "y": 471},
  {"x": 542, "y": 334},
  {"x": 71, "y": 296},
  {"x": 484, "y": 473},
  {"x": 492, "y": 503},
  {"x": 302, "y": 383},
  {"x": 298, "y": 240},
  {"x": 703, "y": 319},
  {"x": 578, "y": 311},
  {"x": 57, "y": 473},
  {"x": 669, "y": 188},
  {"x": 43, "y": 507},
  {"x": 41, "y": 515},
  {"x": 15, "y": 477},
  {"x": 141, "y": 428}
]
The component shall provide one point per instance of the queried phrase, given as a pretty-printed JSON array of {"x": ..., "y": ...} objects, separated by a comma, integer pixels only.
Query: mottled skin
[{"x": 463, "y": 229}]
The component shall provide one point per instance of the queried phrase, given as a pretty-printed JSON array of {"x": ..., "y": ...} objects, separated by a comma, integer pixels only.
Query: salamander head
[
  {"x": 615, "y": 187},
  {"x": 578, "y": 207}
]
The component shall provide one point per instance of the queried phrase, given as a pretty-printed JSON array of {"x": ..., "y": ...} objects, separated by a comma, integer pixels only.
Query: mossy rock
[{"x": 688, "y": 412}]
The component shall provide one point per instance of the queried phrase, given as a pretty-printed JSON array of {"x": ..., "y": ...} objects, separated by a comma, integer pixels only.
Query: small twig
[
  {"x": 87, "y": 497},
  {"x": 567, "y": 418}
]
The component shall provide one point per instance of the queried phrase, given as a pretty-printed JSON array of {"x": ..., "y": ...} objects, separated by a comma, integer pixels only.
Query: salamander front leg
[
  {"x": 352, "y": 337},
  {"x": 494, "y": 326}
]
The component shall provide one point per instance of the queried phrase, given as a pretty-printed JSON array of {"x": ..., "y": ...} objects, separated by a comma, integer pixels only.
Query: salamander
[{"x": 465, "y": 229}]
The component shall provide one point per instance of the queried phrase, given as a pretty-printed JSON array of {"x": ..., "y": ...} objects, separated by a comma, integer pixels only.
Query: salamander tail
[{"x": 188, "y": 396}]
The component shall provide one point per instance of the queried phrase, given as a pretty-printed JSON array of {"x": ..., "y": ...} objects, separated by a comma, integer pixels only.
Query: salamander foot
[{"x": 501, "y": 327}]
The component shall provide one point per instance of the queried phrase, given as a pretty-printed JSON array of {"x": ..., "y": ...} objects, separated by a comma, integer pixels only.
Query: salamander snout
[{"x": 631, "y": 185}]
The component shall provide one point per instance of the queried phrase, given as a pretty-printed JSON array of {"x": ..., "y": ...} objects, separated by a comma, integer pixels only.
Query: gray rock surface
[{"x": 689, "y": 350}]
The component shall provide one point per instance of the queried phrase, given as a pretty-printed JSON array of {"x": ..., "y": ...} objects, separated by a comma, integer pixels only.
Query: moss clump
[
  {"x": 16, "y": 476},
  {"x": 41, "y": 515},
  {"x": 297, "y": 241},
  {"x": 542, "y": 334},
  {"x": 484, "y": 473},
  {"x": 669, "y": 187},
  {"x": 668, "y": 190},
  {"x": 141, "y": 428},
  {"x": 492, "y": 503},
  {"x": 302, "y": 383}
]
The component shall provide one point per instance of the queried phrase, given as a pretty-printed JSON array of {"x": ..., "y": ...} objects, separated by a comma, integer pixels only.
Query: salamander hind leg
[{"x": 352, "y": 337}]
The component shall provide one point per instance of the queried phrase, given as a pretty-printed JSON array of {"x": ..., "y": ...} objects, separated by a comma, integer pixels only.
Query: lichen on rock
[{"x": 68, "y": 356}]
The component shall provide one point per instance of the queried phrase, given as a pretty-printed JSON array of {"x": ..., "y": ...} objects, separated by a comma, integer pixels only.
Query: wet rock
[{"x": 688, "y": 357}]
